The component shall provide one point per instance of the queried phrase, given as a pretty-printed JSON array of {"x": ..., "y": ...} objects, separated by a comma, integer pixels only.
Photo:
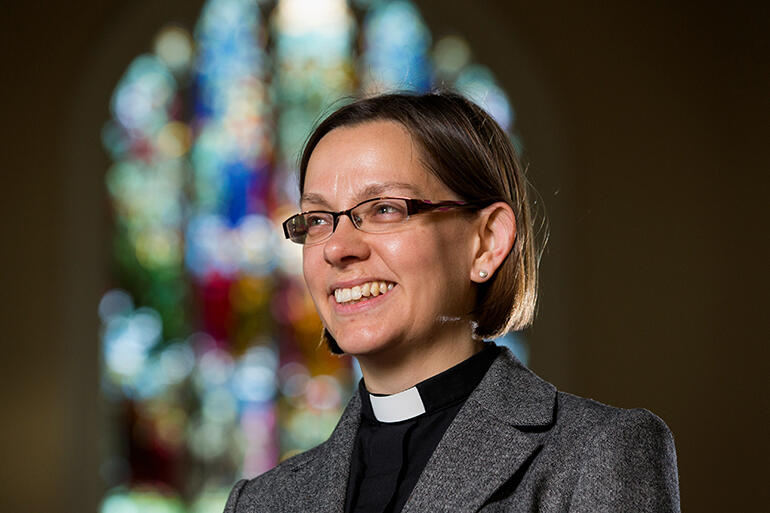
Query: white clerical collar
[{"x": 397, "y": 407}]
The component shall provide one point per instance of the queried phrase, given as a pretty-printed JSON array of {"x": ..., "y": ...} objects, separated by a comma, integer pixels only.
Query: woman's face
[{"x": 425, "y": 265}]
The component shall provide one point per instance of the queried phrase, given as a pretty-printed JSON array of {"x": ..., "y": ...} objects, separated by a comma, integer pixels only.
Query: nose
[{"x": 346, "y": 245}]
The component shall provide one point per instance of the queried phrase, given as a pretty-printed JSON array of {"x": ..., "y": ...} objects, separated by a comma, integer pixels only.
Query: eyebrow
[{"x": 370, "y": 191}]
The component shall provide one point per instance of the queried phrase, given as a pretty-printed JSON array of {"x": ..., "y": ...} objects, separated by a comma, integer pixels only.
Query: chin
[{"x": 364, "y": 343}]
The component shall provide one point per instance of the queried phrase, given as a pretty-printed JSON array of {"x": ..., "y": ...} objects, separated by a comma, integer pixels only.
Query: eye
[
  {"x": 383, "y": 209},
  {"x": 388, "y": 211},
  {"x": 316, "y": 220}
]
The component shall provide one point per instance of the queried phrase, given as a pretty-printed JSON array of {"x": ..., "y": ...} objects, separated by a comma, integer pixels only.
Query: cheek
[
  {"x": 408, "y": 251},
  {"x": 434, "y": 258},
  {"x": 444, "y": 263}
]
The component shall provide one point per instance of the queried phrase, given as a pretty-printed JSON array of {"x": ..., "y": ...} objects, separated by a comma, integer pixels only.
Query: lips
[{"x": 362, "y": 292}]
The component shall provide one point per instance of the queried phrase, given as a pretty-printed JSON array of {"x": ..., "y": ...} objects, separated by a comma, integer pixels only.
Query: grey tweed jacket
[{"x": 516, "y": 445}]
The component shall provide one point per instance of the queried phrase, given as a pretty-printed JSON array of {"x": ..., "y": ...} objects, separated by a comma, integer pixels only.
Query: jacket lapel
[{"x": 500, "y": 426}]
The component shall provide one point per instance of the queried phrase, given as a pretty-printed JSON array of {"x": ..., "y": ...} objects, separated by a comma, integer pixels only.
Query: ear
[{"x": 496, "y": 232}]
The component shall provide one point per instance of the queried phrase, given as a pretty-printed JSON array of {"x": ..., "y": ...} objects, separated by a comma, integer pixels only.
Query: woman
[{"x": 417, "y": 246}]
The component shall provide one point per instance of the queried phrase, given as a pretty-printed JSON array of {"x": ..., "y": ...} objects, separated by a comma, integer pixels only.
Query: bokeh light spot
[{"x": 174, "y": 46}]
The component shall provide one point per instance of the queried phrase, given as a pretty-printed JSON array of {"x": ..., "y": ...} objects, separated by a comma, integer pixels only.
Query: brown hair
[{"x": 463, "y": 146}]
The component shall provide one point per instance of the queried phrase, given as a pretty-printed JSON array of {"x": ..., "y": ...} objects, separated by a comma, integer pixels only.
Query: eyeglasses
[{"x": 376, "y": 215}]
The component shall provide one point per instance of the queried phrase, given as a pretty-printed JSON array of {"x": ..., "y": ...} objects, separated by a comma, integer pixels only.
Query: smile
[{"x": 362, "y": 292}]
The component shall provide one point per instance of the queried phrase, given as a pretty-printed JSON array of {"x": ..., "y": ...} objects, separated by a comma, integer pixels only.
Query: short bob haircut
[{"x": 465, "y": 148}]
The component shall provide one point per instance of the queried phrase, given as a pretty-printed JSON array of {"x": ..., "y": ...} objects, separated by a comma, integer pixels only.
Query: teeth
[{"x": 362, "y": 292}]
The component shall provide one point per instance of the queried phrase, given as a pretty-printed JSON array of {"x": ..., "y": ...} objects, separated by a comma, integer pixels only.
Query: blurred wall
[{"x": 645, "y": 126}]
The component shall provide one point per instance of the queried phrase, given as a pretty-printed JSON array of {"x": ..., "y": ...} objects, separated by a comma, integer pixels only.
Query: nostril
[{"x": 346, "y": 245}]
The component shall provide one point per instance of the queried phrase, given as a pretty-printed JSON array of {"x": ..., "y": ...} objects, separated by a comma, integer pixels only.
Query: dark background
[{"x": 646, "y": 131}]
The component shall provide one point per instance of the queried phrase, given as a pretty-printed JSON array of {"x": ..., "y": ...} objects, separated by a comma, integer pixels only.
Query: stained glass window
[{"x": 211, "y": 364}]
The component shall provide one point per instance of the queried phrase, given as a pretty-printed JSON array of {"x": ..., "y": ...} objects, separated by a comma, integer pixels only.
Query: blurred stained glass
[
  {"x": 396, "y": 49},
  {"x": 211, "y": 365}
]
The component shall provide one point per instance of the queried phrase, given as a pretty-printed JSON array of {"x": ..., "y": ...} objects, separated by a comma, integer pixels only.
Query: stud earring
[{"x": 483, "y": 274}]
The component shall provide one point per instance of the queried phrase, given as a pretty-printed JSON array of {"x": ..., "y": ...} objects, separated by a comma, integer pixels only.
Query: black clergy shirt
[{"x": 399, "y": 432}]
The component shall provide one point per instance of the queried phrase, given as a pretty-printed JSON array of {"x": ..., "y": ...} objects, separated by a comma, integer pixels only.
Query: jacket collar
[
  {"x": 514, "y": 394},
  {"x": 498, "y": 429},
  {"x": 505, "y": 415}
]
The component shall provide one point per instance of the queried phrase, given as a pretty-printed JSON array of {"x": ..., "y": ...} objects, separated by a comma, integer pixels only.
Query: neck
[{"x": 413, "y": 363}]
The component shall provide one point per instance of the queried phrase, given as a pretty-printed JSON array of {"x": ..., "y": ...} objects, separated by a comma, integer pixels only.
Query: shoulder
[
  {"x": 590, "y": 456},
  {"x": 302, "y": 482},
  {"x": 594, "y": 420},
  {"x": 267, "y": 488},
  {"x": 619, "y": 457}
]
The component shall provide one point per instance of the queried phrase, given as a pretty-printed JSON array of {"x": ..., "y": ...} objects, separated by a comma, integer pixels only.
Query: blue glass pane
[{"x": 396, "y": 45}]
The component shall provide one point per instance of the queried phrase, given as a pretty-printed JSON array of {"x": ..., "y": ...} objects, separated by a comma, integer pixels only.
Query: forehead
[{"x": 351, "y": 164}]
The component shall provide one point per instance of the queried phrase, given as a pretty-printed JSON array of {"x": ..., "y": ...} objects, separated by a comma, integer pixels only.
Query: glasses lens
[
  {"x": 296, "y": 228},
  {"x": 380, "y": 215},
  {"x": 310, "y": 227}
]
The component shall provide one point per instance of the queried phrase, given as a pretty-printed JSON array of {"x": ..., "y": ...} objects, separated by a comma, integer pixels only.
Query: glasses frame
[{"x": 413, "y": 207}]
